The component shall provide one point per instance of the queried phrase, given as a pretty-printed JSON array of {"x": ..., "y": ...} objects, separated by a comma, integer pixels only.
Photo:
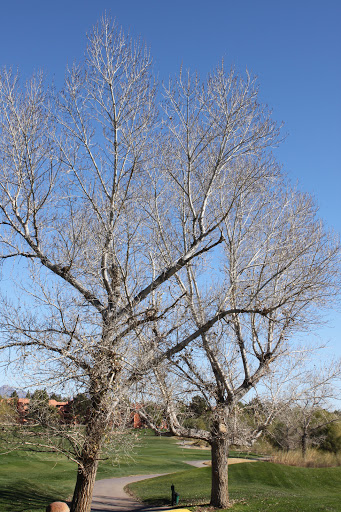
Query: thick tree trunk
[
  {"x": 82, "y": 496},
  {"x": 88, "y": 461},
  {"x": 219, "y": 490},
  {"x": 104, "y": 374}
]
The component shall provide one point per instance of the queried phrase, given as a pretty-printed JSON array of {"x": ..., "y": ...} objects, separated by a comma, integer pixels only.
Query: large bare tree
[
  {"x": 274, "y": 273},
  {"x": 107, "y": 201}
]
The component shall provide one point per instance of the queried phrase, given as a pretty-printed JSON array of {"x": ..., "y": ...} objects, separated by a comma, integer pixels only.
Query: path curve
[{"x": 109, "y": 495}]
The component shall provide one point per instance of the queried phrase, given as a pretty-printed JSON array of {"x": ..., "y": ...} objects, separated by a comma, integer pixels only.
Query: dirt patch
[
  {"x": 203, "y": 463},
  {"x": 232, "y": 460},
  {"x": 236, "y": 460},
  {"x": 191, "y": 446}
]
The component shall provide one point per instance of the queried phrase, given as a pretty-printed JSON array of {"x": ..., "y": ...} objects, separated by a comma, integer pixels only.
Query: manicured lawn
[
  {"x": 258, "y": 486},
  {"x": 154, "y": 454},
  {"x": 29, "y": 481}
]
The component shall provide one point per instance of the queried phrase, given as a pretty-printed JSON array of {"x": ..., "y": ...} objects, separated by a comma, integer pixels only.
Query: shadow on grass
[
  {"x": 23, "y": 496},
  {"x": 154, "y": 502}
]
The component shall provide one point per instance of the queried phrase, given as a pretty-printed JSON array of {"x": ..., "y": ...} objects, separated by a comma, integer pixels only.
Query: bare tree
[
  {"x": 306, "y": 410},
  {"x": 277, "y": 270},
  {"x": 107, "y": 203}
]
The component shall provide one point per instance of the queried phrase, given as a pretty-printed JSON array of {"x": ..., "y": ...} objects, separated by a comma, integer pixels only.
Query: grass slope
[
  {"x": 259, "y": 486},
  {"x": 153, "y": 454},
  {"x": 29, "y": 481}
]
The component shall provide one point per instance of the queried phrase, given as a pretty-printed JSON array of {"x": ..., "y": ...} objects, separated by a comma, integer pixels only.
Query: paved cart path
[{"x": 109, "y": 494}]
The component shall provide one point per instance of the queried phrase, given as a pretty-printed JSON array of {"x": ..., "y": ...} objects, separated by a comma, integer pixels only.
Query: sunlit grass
[
  {"x": 254, "y": 487},
  {"x": 31, "y": 480}
]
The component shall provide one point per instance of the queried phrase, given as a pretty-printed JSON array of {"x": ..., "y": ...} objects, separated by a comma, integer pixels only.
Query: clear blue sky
[{"x": 293, "y": 46}]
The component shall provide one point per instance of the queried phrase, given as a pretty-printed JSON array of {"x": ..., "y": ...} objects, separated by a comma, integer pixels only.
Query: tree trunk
[
  {"x": 219, "y": 454},
  {"x": 82, "y": 496},
  {"x": 304, "y": 443},
  {"x": 88, "y": 461},
  {"x": 104, "y": 373}
]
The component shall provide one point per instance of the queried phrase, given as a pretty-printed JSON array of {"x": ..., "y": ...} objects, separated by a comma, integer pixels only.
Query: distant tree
[
  {"x": 197, "y": 414},
  {"x": 39, "y": 410},
  {"x": 282, "y": 434},
  {"x": 40, "y": 395},
  {"x": 305, "y": 418},
  {"x": 81, "y": 408},
  {"x": 14, "y": 397},
  {"x": 57, "y": 397},
  {"x": 8, "y": 412},
  {"x": 198, "y": 405},
  {"x": 300, "y": 428},
  {"x": 330, "y": 436}
]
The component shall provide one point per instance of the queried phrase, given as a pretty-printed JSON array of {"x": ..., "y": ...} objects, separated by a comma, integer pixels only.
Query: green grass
[
  {"x": 153, "y": 454},
  {"x": 29, "y": 481},
  {"x": 259, "y": 486}
]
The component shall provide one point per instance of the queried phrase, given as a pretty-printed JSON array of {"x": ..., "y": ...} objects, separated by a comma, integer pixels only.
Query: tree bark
[
  {"x": 219, "y": 455},
  {"x": 304, "y": 443},
  {"x": 82, "y": 496},
  {"x": 88, "y": 461}
]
